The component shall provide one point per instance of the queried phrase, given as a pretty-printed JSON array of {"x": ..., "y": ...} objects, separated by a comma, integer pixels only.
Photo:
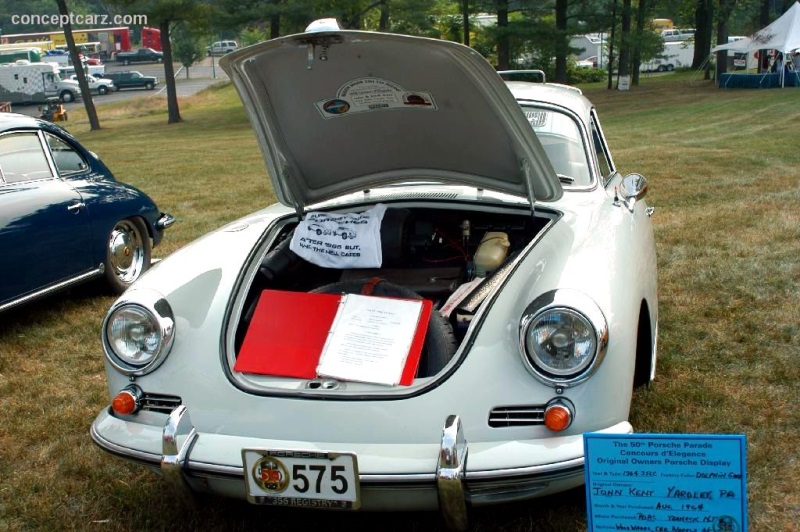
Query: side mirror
[{"x": 632, "y": 189}]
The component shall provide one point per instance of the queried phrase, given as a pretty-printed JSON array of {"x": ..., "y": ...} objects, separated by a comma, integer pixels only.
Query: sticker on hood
[
  {"x": 373, "y": 94},
  {"x": 343, "y": 241}
]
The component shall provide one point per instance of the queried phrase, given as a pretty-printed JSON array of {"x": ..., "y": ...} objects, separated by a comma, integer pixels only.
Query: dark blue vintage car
[{"x": 64, "y": 218}]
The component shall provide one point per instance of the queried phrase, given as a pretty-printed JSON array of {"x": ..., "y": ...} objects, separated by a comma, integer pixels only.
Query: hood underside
[{"x": 337, "y": 112}]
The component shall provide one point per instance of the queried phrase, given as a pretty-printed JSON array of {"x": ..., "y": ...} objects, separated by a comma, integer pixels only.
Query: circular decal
[
  {"x": 270, "y": 474},
  {"x": 726, "y": 523},
  {"x": 336, "y": 107}
]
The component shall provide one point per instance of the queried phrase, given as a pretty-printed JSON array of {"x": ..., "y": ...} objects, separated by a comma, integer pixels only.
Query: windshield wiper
[{"x": 565, "y": 179}]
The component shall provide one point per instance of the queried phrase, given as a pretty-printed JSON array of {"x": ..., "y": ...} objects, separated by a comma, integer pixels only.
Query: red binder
[{"x": 289, "y": 329}]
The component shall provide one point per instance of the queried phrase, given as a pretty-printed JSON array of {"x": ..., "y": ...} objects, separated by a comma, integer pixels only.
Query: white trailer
[
  {"x": 675, "y": 55},
  {"x": 26, "y": 82}
]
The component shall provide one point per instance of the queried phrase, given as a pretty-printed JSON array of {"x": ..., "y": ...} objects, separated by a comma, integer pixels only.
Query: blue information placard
[{"x": 666, "y": 482}]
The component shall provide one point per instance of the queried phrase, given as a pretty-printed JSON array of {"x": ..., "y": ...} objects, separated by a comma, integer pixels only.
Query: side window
[
  {"x": 22, "y": 158},
  {"x": 67, "y": 160},
  {"x": 601, "y": 150}
]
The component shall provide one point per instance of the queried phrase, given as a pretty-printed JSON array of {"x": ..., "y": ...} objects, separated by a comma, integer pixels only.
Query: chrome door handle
[{"x": 75, "y": 207}]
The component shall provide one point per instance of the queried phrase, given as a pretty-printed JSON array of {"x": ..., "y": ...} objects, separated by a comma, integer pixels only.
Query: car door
[{"x": 44, "y": 227}]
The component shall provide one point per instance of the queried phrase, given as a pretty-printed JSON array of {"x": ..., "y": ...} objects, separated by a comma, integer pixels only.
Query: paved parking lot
[{"x": 201, "y": 75}]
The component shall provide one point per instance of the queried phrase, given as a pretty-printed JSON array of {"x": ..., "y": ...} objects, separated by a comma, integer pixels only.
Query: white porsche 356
[{"x": 495, "y": 297}]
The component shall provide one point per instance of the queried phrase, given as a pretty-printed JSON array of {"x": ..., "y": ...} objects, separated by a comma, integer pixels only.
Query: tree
[
  {"x": 91, "y": 112},
  {"x": 704, "y": 29},
  {"x": 611, "y": 57},
  {"x": 465, "y": 18},
  {"x": 166, "y": 14},
  {"x": 562, "y": 43},
  {"x": 723, "y": 14},
  {"x": 188, "y": 45},
  {"x": 503, "y": 45},
  {"x": 625, "y": 42},
  {"x": 639, "y": 35}
]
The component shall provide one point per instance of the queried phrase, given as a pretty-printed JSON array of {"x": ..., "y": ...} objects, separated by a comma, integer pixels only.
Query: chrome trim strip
[
  {"x": 56, "y": 287},
  {"x": 48, "y": 155},
  {"x": 178, "y": 438},
  {"x": 450, "y": 474},
  {"x": 471, "y": 477},
  {"x": 531, "y": 471}
]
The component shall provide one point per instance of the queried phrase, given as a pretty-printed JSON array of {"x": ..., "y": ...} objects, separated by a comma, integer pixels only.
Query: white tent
[{"x": 782, "y": 35}]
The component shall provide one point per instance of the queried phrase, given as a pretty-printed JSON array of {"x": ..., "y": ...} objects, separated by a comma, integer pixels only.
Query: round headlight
[
  {"x": 560, "y": 342},
  {"x": 137, "y": 335},
  {"x": 563, "y": 336},
  {"x": 133, "y": 335}
]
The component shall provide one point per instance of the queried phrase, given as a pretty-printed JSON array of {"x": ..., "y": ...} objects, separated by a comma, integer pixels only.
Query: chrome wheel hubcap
[{"x": 126, "y": 252}]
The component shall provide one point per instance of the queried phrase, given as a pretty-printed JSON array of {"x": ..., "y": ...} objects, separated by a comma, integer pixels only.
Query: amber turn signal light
[
  {"x": 558, "y": 416},
  {"x": 125, "y": 402}
]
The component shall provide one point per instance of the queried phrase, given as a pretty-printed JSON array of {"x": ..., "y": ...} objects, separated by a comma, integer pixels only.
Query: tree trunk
[
  {"x": 383, "y": 23},
  {"x": 562, "y": 46},
  {"x": 763, "y": 22},
  {"x": 703, "y": 21},
  {"x": 274, "y": 26},
  {"x": 725, "y": 8},
  {"x": 173, "y": 112},
  {"x": 611, "y": 45},
  {"x": 503, "y": 47},
  {"x": 625, "y": 47},
  {"x": 763, "y": 13},
  {"x": 637, "y": 48},
  {"x": 465, "y": 16},
  {"x": 88, "y": 103}
]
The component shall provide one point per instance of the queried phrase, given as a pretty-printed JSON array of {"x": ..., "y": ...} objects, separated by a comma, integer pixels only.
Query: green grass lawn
[{"x": 724, "y": 174}]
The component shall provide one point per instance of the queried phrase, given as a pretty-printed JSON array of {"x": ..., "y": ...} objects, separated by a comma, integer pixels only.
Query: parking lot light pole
[{"x": 211, "y": 53}]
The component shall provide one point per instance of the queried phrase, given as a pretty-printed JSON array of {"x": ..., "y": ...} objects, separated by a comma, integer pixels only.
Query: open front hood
[{"x": 342, "y": 111}]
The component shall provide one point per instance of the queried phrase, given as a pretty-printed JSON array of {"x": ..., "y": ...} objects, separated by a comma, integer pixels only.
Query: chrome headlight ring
[
  {"x": 563, "y": 336},
  {"x": 138, "y": 332}
]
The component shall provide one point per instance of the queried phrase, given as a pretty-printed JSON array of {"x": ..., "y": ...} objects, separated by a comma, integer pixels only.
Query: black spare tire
[{"x": 440, "y": 342}]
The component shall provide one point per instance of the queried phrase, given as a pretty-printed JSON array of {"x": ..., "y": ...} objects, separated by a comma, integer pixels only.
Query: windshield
[{"x": 562, "y": 141}]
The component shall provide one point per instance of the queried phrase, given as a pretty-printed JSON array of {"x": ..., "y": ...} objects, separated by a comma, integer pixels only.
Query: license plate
[{"x": 311, "y": 479}]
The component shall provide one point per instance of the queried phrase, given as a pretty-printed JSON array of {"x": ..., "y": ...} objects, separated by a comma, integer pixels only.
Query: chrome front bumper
[
  {"x": 164, "y": 221},
  {"x": 451, "y": 488}
]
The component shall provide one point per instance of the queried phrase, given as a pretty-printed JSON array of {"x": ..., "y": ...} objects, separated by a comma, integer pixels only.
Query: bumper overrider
[{"x": 451, "y": 488}]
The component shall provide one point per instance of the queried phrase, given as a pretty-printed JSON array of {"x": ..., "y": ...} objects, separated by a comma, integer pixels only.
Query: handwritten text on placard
[{"x": 666, "y": 482}]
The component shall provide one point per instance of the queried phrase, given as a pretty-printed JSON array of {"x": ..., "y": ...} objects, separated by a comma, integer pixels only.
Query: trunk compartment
[{"x": 429, "y": 252}]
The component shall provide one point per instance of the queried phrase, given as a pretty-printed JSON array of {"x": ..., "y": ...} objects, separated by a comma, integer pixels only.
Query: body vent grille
[
  {"x": 517, "y": 416},
  {"x": 164, "y": 404}
]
